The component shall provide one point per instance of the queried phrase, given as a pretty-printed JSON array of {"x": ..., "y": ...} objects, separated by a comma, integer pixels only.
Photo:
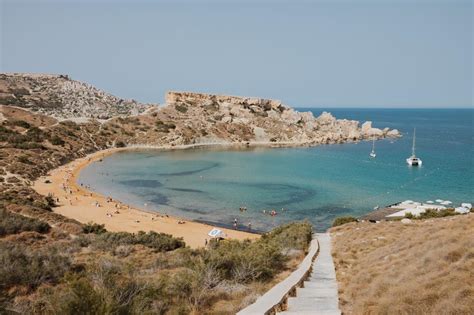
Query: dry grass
[{"x": 426, "y": 267}]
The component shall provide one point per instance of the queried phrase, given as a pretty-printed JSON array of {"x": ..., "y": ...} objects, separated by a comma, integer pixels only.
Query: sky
[{"x": 358, "y": 53}]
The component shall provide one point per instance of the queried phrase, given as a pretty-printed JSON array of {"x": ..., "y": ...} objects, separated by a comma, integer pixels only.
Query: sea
[{"x": 316, "y": 184}]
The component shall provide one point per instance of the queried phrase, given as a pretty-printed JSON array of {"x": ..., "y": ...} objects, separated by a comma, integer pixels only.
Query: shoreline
[{"x": 79, "y": 203}]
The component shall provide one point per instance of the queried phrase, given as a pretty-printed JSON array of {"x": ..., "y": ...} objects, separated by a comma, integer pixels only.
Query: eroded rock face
[
  {"x": 61, "y": 97},
  {"x": 269, "y": 120}
]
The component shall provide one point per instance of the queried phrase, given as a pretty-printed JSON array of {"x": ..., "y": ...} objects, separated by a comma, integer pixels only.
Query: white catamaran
[
  {"x": 413, "y": 160},
  {"x": 372, "y": 153}
]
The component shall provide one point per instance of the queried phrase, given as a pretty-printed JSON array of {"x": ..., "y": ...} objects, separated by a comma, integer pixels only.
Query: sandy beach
[{"x": 85, "y": 206}]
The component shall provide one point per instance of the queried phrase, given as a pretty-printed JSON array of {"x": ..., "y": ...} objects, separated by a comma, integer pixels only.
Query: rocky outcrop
[
  {"x": 269, "y": 120},
  {"x": 64, "y": 98}
]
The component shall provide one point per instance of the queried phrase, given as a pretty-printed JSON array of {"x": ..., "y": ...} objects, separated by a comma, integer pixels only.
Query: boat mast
[
  {"x": 413, "y": 148},
  {"x": 373, "y": 145}
]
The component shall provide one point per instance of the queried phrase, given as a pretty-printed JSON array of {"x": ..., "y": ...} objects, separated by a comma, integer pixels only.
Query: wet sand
[{"x": 79, "y": 203}]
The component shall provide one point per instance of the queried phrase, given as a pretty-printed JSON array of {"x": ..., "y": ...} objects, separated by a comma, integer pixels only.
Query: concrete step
[
  {"x": 314, "y": 305},
  {"x": 319, "y": 294}
]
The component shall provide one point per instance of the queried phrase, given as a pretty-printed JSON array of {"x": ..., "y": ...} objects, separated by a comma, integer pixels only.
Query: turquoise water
[{"x": 317, "y": 184}]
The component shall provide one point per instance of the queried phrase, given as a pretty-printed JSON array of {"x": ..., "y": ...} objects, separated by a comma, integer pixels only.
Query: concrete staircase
[{"x": 319, "y": 293}]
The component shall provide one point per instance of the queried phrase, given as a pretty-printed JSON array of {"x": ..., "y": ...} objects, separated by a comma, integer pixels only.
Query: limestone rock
[
  {"x": 393, "y": 133},
  {"x": 326, "y": 118},
  {"x": 366, "y": 127},
  {"x": 226, "y": 119}
]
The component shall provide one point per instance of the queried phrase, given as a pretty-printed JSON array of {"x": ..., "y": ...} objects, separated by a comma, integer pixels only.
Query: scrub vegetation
[{"x": 44, "y": 270}]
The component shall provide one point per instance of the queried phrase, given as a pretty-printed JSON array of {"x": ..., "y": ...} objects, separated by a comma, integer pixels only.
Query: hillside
[
  {"x": 423, "y": 267},
  {"x": 63, "y": 98}
]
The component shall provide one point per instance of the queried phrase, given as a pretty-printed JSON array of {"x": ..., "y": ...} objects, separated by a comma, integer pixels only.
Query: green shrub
[
  {"x": 26, "y": 266},
  {"x": 106, "y": 288},
  {"x": 164, "y": 127},
  {"x": 28, "y": 146},
  {"x": 12, "y": 223},
  {"x": 21, "y": 123},
  {"x": 159, "y": 242},
  {"x": 34, "y": 134},
  {"x": 295, "y": 235},
  {"x": 246, "y": 261},
  {"x": 120, "y": 144},
  {"x": 432, "y": 213},
  {"x": 56, "y": 140},
  {"x": 181, "y": 108},
  {"x": 80, "y": 298},
  {"x": 93, "y": 228},
  {"x": 343, "y": 220},
  {"x": 24, "y": 159}
]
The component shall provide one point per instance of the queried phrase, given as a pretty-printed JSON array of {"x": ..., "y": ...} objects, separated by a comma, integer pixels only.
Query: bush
[
  {"x": 56, "y": 140},
  {"x": 21, "y": 123},
  {"x": 105, "y": 289},
  {"x": 432, "y": 213},
  {"x": 295, "y": 235},
  {"x": 159, "y": 242},
  {"x": 24, "y": 159},
  {"x": 164, "y": 127},
  {"x": 120, "y": 144},
  {"x": 343, "y": 220},
  {"x": 12, "y": 223},
  {"x": 94, "y": 228},
  {"x": 25, "y": 266},
  {"x": 34, "y": 134},
  {"x": 181, "y": 108},
  {"x": 246, "y": 261}
]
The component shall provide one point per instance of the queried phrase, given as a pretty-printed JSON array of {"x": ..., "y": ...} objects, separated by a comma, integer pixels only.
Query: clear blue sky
[{"x": 306, "y": 53}]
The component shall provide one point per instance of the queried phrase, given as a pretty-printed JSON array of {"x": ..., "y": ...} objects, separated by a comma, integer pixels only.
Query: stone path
[{"x": 319, "y": 294}]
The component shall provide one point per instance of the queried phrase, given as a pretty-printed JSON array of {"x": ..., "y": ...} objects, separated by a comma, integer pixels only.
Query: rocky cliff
[
  {"x": 235, "y": 119},
  {"x": 62, "y": 97}
]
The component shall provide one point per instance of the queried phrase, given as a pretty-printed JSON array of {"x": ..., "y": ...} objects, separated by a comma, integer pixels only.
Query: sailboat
[
  {"x": 372, "y": 153},
  {"x": 413, "y": 160}
]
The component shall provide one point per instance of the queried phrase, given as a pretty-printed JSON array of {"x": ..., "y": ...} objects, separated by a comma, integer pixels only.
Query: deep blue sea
[{"x": 317, "y": 184}]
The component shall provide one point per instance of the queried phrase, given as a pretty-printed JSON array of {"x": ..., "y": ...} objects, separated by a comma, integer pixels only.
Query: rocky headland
[{"x": 48, "y": 120}]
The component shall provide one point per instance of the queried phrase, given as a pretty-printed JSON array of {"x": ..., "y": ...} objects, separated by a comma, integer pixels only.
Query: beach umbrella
[
  {"x": 446, "y": 202},
  {"x": 216, "y": 233},
  {"x": 439, "y": 200},
  {"x": 461, "y": 210},
  {"x": 430, "y": 201}
]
